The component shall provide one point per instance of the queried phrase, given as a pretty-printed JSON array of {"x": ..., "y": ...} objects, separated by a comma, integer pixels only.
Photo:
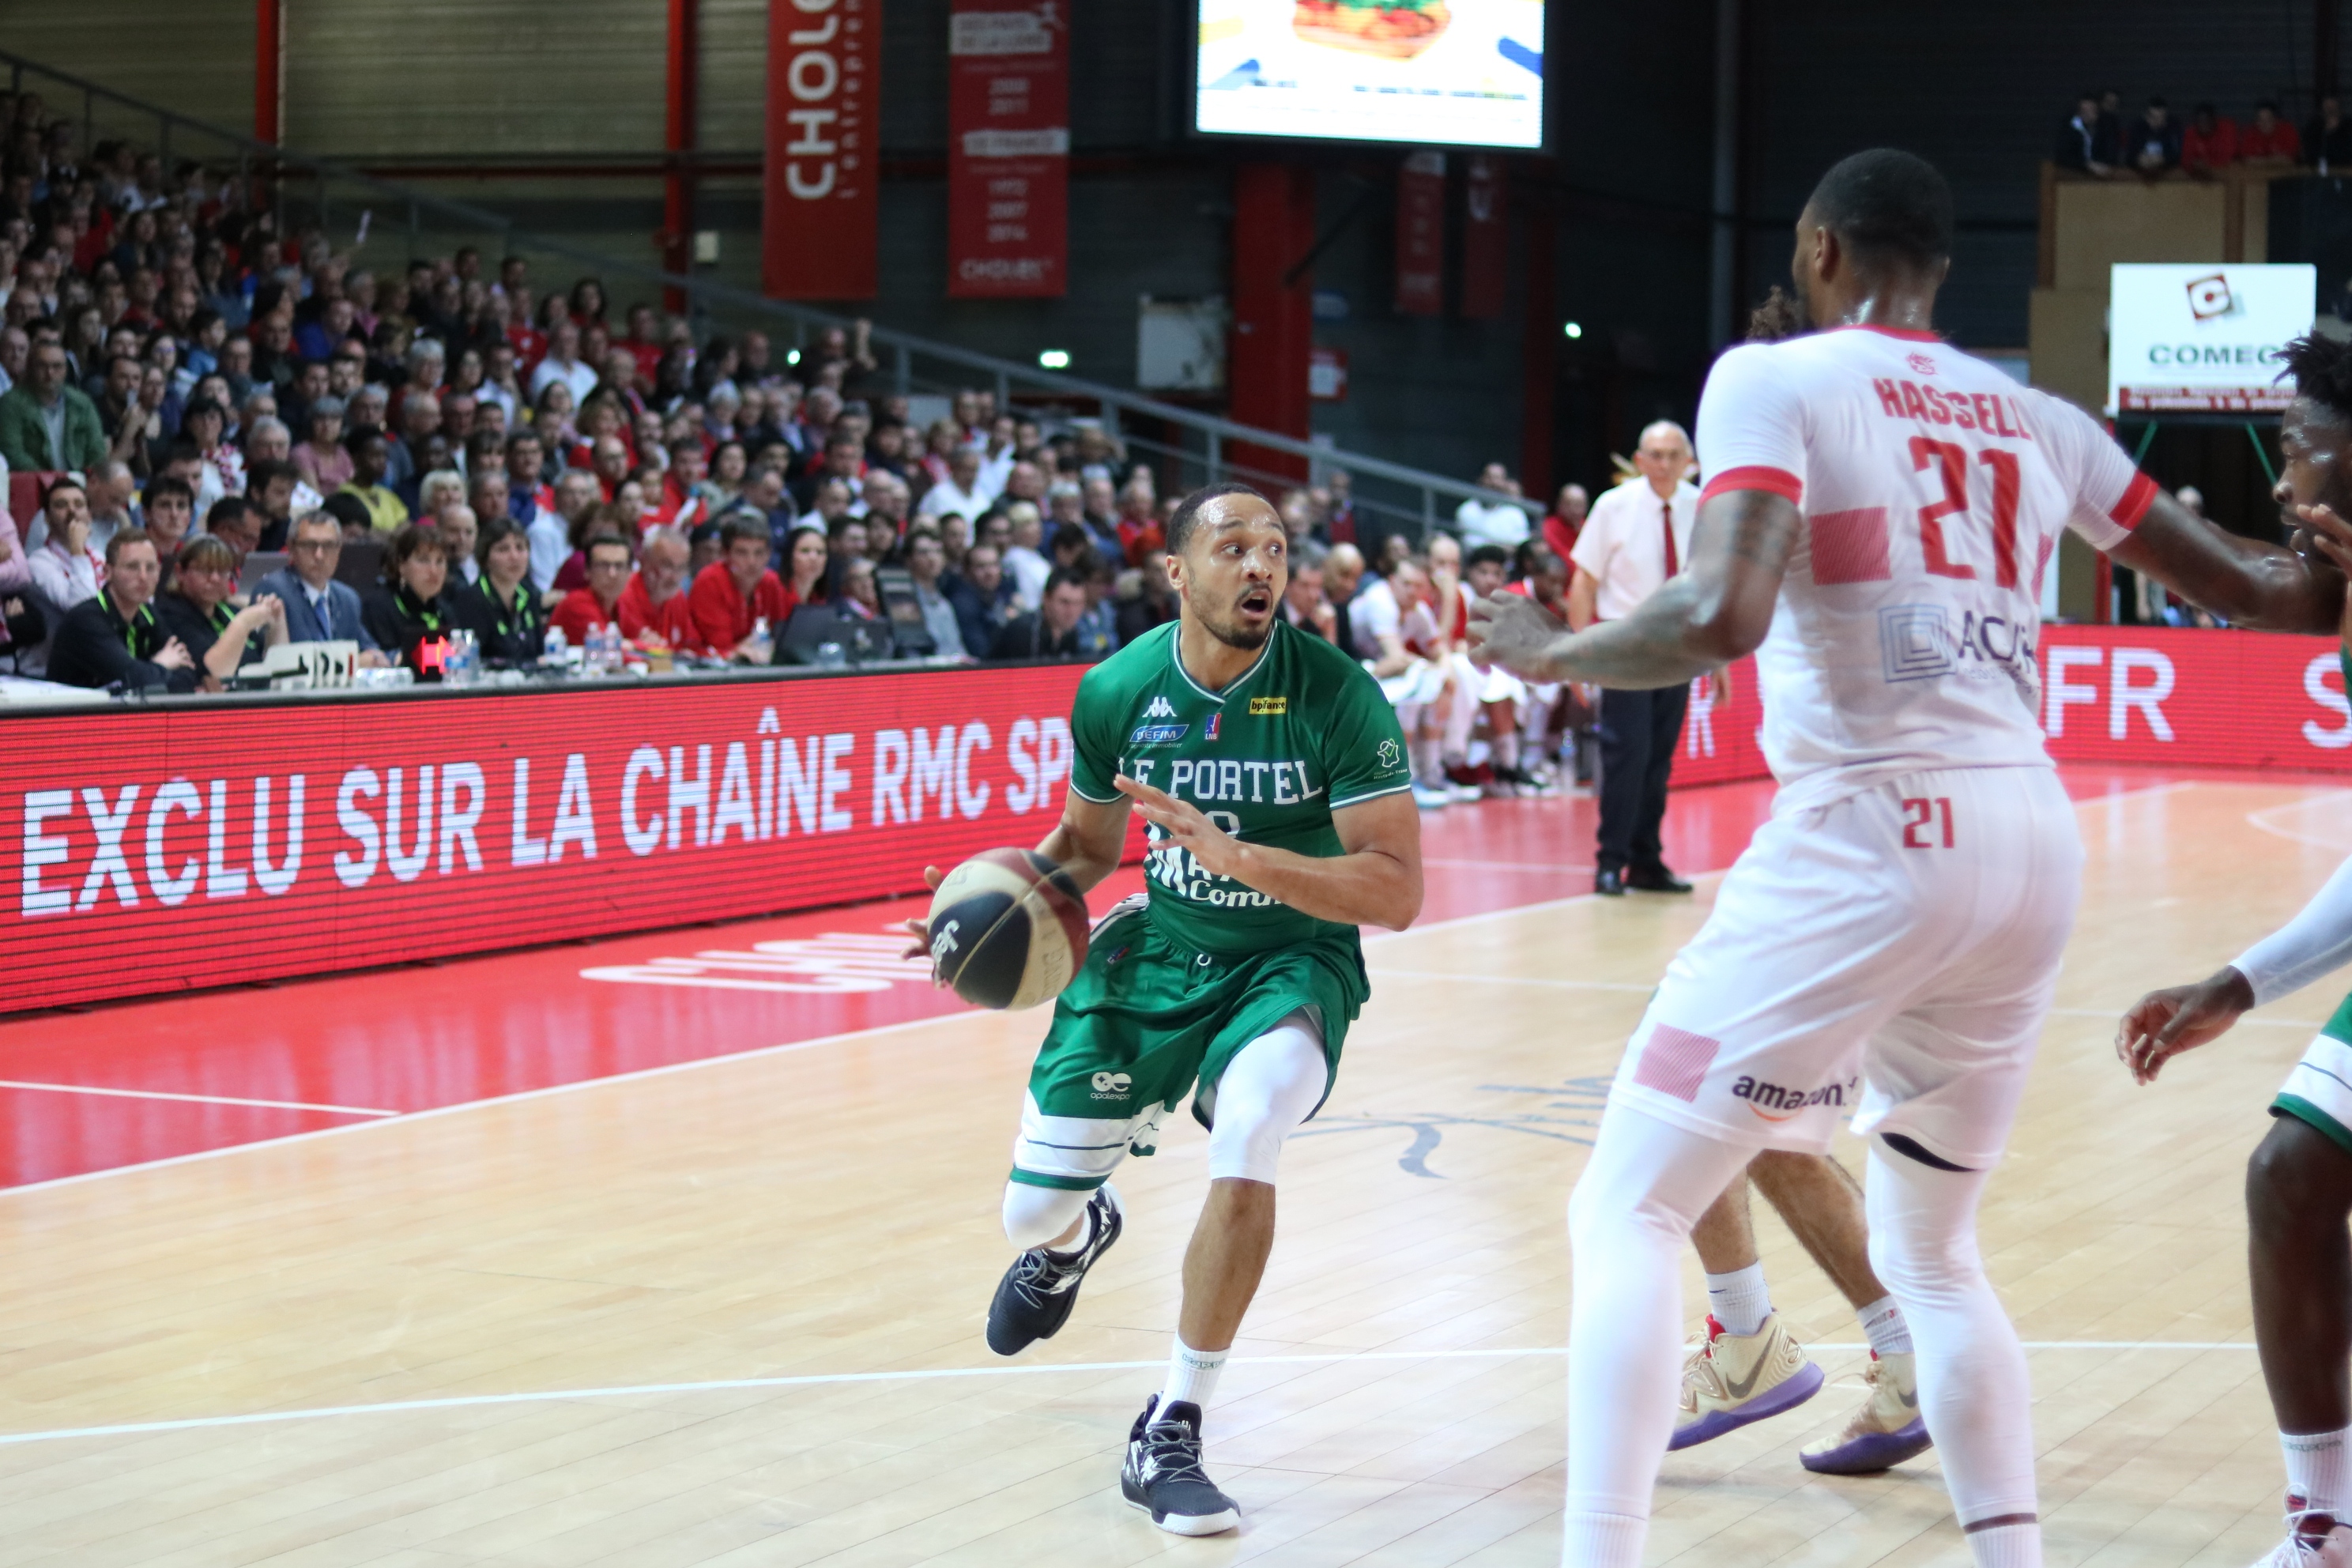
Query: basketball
[{"x": 1008, "y": 929}]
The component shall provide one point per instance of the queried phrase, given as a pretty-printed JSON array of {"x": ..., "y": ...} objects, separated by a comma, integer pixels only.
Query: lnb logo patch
[{"x": 1915, "y": 642}]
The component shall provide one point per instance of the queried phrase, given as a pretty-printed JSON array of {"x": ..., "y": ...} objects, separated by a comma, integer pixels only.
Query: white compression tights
[
  {"x": 1268, "y": 1091},
  {"x": 1633, "y": 1212}
]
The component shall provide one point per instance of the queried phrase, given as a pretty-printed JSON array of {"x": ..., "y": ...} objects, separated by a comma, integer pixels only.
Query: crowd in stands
[
  {"x": 531, "y": 465},
  {"x": 2098, "y": 140}
]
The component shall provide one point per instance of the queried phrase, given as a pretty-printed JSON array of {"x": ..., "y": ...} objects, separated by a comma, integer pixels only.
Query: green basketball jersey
[{"x": 1303, "y": 733}]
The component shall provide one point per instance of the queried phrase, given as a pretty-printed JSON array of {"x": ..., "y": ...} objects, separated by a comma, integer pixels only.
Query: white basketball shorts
[{"x": 1891, "y": 955}]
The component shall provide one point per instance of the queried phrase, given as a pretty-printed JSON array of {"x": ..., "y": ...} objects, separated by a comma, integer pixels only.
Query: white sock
[
  {"x": 1192, "y": 1375},
  {"x": 1601, "y": 1540},
  {"x": 1425, "y": 765},
  {"x": 1078, "y": 1244},
  {"x": 1882, "y": 1320},
  {"x": 1740, "y": 1300},
  {"x": 2007, "y": 1546},
  {"x": 2316, "y": 1470},
  {"x": 1507, "y": 746}
]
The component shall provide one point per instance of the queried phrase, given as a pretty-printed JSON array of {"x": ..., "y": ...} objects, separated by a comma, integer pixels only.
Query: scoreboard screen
[{"x": 1430, "y": 73}]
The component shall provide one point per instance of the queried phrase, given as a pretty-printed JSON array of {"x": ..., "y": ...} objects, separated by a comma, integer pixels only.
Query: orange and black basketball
[{"x": 1008, "y": 929}]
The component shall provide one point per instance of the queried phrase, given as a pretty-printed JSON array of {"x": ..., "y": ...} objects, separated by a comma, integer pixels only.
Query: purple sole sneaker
[
  {"x": 1771, "y": 1401},
  {"x": 1871, "y": 1453}
]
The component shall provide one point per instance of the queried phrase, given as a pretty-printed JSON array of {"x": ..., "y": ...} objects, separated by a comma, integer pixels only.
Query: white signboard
[
  {"x": 2199, "y": 338},
  {"x": 1432, "y": 73}
]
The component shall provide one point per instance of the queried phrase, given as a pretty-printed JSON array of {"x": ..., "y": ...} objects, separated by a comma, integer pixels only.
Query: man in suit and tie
[{"x": 319, "y": 608}]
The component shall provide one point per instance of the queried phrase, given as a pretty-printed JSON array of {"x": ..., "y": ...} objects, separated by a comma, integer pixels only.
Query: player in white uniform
[{"x": 1879, "y": 511}]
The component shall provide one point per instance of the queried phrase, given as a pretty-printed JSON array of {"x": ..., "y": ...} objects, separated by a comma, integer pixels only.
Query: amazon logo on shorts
[
  {"x": 1766, "y": 1099},
  {"x": 1112, "y": 1085}
]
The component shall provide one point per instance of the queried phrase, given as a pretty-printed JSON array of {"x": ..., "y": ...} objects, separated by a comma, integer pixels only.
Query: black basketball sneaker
[
  {"x": 1162, "y": 1475},
  {"x": 1034, "y": 1297}
]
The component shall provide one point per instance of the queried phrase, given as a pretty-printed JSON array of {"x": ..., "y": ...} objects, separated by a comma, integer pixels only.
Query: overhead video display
[{"x": 1432, "y": 73}]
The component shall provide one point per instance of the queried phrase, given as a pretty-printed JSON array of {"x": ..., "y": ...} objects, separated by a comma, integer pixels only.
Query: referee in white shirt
[{"x": 1638, "y": 535}]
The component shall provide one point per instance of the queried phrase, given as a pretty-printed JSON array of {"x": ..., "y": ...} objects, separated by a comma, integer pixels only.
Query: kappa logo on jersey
[
  {"x": 1766, "y": 1098},
  {"x": 1216, "y": 723},
  {"x": 1157, "y": 734},
  {"x": 1159, "y": 708},
  {"x": 1388, "y": 754},
  {"x": 1112, "y": 1085},
  {"x": 1269, "y": 707}
]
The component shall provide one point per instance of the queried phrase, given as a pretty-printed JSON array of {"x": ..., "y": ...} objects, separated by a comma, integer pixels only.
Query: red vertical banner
[
  {"x": 1008, "y": 148},
  {"x": 818, "y": 221},
  {"x": 1269, "y": 357},
  {"x": 1421, "y": 235},
  {"x": 1486, "y": 249}
]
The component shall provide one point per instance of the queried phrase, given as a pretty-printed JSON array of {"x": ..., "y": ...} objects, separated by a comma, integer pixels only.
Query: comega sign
[
  {"x": 2203, "y": 338},
  {"x": 192, "y": 847}
]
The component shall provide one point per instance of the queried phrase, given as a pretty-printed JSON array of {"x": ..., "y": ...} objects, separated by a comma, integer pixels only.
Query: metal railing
[{"x": 321, "y": 192}]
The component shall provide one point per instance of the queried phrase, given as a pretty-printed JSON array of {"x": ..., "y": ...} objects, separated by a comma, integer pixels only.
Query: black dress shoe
[
  {"x": 1657, "y": 879},
  {"x": 1610, "y": 884}
]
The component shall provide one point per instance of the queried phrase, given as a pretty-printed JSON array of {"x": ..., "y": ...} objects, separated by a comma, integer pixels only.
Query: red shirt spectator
[
  {"x": 1566, "y": 520},
  {"x": 735, "y": 592},
  {"x": 2210, "y": 141},
  {"x": 597, "y": 603},
  {"x": 2268, "y": 139},
  {"x": 1139, "y": 537},
  {"x": 672, "y": 619}
]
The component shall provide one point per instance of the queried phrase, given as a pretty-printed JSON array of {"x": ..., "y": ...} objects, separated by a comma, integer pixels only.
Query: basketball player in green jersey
[{"x": 1272, "y": 776}]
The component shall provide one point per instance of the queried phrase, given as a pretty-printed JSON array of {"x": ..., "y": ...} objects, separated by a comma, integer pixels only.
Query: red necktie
[{"x": 1666, "y": 509}]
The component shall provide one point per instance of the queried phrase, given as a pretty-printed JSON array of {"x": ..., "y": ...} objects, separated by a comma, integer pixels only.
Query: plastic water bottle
[
  {"x": 459, "y": 663},
  {"x": 558, "y": 648},
  {"x": 605, "y": 648}
]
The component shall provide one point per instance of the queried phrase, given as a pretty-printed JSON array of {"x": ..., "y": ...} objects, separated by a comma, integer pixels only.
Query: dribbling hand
[
  {"x": 2163, "y": 1024},
  {"x": 918, "y": 931}
]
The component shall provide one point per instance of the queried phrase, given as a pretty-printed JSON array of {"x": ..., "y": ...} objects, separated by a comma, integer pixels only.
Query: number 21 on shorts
[{"x": 1920, "y": 818}]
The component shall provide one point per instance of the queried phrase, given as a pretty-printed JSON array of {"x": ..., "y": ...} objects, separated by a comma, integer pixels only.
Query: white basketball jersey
[{"x": 1933, "y": 489}]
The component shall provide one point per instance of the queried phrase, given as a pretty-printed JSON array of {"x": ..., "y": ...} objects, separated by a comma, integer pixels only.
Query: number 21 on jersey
[
  {"x": 1919, "y": 819},
  {"x": 1951, "y": 459}
]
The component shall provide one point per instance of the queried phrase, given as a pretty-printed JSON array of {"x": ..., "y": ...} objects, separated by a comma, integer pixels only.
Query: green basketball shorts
[
  {"x": 2319, "y": 1089},
  {"x": 1145, "y": 1020}
]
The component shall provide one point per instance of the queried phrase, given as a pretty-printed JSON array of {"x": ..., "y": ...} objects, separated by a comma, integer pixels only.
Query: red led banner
[
  {"x": 1008, "y": 148},
  {"x": 2149, "y": 695},
  {"x": 184, "y": 847}
]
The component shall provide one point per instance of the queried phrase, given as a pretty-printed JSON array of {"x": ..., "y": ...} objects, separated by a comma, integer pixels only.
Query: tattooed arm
[{"x": 1716, "y": 611}]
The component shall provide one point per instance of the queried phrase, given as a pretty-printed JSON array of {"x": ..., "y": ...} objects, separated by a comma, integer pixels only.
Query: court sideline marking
[
  {"x": 1371, "y": 939},
  {"x": 191, "y": 1099},
  {"x": 816, "y": 1380}
]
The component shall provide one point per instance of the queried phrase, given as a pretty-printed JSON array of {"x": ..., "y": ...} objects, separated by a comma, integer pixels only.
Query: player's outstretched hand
[
  {"x": 2163, "y": 1024},
  {"x": 1514, "y": 631},
  {"x": 920, "y": 931},
  {"x": 1184, "y": 825}
]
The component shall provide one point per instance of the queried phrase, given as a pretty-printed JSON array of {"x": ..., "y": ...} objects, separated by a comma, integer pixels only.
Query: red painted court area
[{"x": 136, "y": 1082}]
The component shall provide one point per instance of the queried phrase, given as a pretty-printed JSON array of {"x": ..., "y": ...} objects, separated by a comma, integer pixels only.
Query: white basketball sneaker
[
  {"x": 2313, "y": 1541},
  {"x": 1729, "y": 1380},
  {"x": 1884, "y": 1431}
]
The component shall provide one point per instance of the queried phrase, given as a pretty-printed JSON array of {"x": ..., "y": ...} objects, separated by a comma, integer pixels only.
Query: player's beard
[{"x": 1228, "y": 629}]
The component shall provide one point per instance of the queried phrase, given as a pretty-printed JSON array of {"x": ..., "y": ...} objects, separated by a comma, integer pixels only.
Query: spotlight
[
  {"x": 1574, "y": 328},
  {"x": 792, "y": 356},
  {"x": 1053, "y": 359}
]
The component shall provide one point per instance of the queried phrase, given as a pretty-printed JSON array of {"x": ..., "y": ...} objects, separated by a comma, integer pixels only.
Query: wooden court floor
[{"x": 731, "y": 1314}]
